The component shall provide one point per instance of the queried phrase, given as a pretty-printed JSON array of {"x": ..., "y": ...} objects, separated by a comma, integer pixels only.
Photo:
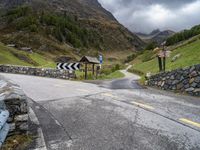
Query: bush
[
  {"x": 184, "y": 35},
  {"x": 130, "y": 58},
  {"x": 151, "y": 46},
  {"x": 33, "y": 28}
]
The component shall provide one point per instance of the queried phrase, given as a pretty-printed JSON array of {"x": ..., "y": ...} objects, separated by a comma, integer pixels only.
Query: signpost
[
  {"x": 162, "y": 58},
  {"x": 100, "y": 60}
]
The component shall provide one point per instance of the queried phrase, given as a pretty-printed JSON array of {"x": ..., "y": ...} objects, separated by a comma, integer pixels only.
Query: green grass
[
  {"x": 114, "y": 75},
  {"x": 6, "y": 57},
  {"x": 190, "y": 55},
  {"x": 42, "y": 61},
  {"x": 32, "y": 59}
]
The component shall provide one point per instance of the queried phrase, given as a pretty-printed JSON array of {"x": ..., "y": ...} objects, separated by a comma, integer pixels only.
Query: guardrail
[
  {"x": 4, "y": 126},
  {"x": 13, "y": 110}
]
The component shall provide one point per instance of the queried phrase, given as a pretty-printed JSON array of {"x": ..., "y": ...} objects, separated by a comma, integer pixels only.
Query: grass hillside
[
  {"x": 189, "y": 51},
  {"x": 16, "y": 57}
]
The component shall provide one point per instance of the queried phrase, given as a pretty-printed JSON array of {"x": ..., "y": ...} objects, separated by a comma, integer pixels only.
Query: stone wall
[
  {"x": 185, "y": 80},
  {"x": 43, "y": 72},
  {"x": 13, "y": 99}
]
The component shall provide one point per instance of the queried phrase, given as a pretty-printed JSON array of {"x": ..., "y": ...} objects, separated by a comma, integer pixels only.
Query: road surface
[{"x": 111, "y": 115}]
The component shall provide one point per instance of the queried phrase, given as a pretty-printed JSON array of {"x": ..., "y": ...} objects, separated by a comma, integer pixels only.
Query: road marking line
[
  {"x": 143, "y": 105},
  {"x": 190, "y": 122},
  {"x": 109, "y": 95},
  {"x": 82, "y": 90}
]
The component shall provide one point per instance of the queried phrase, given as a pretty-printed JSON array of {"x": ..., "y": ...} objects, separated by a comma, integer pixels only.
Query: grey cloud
[{"x": 147, "y": 15}]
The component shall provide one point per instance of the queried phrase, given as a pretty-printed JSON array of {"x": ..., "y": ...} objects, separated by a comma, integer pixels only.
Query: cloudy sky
[{"x": 147, "y": 15}]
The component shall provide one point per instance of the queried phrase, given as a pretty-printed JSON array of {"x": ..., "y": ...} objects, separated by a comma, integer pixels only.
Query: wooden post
[
  {"x": 160, "y": 63},
  {"x": 93, "y": 65},
  {"x": 97, "y": 72},
  {"x": 85, "y": 71},
  {"x": 164, "y": 63}
]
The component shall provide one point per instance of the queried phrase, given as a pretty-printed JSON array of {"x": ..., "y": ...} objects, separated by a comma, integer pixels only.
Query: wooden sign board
[{"x": 163, "y": 54}]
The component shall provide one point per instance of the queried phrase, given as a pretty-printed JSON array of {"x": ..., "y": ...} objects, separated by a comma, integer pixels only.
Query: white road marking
[
  {"x": 143, "y": 105},
  {"x": 190, "y": 122},
  {"x": 57, "y": 122},
  {"x": 40, "y": 139}
]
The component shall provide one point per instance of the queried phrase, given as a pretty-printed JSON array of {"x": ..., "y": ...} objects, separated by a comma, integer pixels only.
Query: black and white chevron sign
[{"x": 68, "y": 66}]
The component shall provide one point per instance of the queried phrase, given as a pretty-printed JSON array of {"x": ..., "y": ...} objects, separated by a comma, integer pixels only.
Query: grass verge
[
  {"x": 17, "y": 142},
  {"x": 189, "y": 56}
]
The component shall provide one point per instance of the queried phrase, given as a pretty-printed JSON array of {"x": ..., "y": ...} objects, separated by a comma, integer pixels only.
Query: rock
[
  {"x": 175, "y": 82},
  {"x": 160, "y": 83},
  {"x": 176, "y": 57},
  {"x": 192, "y": 68},
  {"x": 197, "y": 80},
  {"x": 194, "y": 84},
  {"x": 193, "y": 74},
  {"x": 186, "y": 86},
  {"x": 189, "y": 90},
  {"x": 24, "y": 126},
  {"x": 12, "y": 127},
  {"x": 180, "y": 86},
  {"x": 197, "y": 90},
  {"x": 163, "y": 83},
  {"x": 22, "y": 118},
  {"x": 172, "y": 77},
  {"x": 191, "y": 80}
]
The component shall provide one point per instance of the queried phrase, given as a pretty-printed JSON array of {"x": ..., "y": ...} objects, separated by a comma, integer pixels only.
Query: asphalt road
[{"x": 111, "y": 115}]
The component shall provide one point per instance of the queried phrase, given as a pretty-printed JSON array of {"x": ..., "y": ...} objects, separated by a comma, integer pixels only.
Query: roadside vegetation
[
  {"x": 189, "y": 53},
  {"x": 16, "y": 57},
  {"x": 184, "y": 35},
  {"x": 15, "y": 142},
  {"x": 107, "y": 72}
]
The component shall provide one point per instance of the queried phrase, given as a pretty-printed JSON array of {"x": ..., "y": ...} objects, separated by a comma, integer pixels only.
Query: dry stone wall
[
  {"x": 43, "y": 72},
  {"x": 13, "y": 99},
  {"x": 185, "y": 80}
]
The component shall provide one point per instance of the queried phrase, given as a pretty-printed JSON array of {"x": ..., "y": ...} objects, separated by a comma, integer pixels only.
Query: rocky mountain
[
  {"x": 156, "y": 36},
  {"x": 82, "y": 24}
]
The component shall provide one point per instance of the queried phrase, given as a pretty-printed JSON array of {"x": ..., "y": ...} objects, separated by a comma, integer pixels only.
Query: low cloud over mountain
[{"x": 147, "y": 15}]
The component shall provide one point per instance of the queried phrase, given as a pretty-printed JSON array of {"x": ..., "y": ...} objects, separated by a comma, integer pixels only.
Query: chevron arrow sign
[{"x": 68, "y": 66}]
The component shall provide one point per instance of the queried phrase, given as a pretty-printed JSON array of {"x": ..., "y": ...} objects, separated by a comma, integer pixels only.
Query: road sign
[
  {"x": 101, "y": 59},
  {"x": 163, "y": 54},
  {"x": 68, "y": 66}
]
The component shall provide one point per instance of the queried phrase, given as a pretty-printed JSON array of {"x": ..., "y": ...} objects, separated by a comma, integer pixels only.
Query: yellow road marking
[
  {"x": 190, "y": 122},
  {"x": 109, "y": 95},
  {"x": 82, "y": 90},
  {"x": 143, "y": 105}
]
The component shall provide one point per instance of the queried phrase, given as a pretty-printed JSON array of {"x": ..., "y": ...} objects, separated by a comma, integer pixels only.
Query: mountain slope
[
  {"x": 156, "y": 36},
  {"x": 15, "y": 57},
  {"x": 104, "y": 32},
  {"x": 183, "y": 35},
  {"x": 186, "y": 53}
]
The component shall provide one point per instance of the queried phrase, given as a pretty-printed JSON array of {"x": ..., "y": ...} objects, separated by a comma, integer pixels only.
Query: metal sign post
[{"x": 100, "y": 60}]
